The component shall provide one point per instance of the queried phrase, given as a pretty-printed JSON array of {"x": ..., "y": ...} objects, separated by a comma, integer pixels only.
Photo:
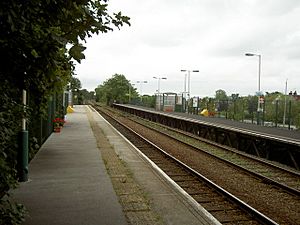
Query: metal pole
[
  {"x": 276, "y": 113},
  {"x": 23, "y": 148},
  {"x": 141, "y": 82},
  {"x": 70, "y": 96},
  {"x": 158, "y": 85},
  {"x": 284, "y": 111},
  {"x": 184, "y": 102},
  {"x": 258, "y": 95},
  {"x": 24, "y": 96},
  {"x": 158, "y": 90},
  {"x": 185, "y": 85},
  {"x": 290, "y": 113},
  {"x": 158, "y": 93},
  {"x": 258, "y": 101},
  {"x": 189, "y": 83},
  {"x": 259, "y": 71},
  {"x": 263, "y": 113}
]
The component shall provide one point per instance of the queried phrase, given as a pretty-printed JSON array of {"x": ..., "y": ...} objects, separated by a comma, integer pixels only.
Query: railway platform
[
  {"x": 81, "y": 176},
  {"x": 279, "y": 145}
]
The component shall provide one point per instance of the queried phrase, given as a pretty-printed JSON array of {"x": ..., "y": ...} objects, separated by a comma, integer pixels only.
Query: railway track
[
  {"x": 271, "y": 173},
  {"x": 202, "y": 195}
]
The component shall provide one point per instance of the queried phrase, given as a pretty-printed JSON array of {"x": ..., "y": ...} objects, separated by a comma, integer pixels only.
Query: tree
[
  {"x": 39, "y": 39},
  {"x": 115, "y": 89},
  {"x": 75, "y": 84},
  {"x": 221, "y": 99},
  {"x": 83, "y": 96},
  {"x": 147, "y": 101},
  {"x": 34, "y": 36},
  {"x": 221, "y": 95},
  {"x": 277, "y": 106}
]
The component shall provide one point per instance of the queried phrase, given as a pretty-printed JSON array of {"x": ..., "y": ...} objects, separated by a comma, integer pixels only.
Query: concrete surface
[
  {"x": 68, "y": 180},
  {"x": 69, "y": 183}
]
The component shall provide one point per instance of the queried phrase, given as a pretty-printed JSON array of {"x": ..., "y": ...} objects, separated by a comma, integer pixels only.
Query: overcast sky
[{"x": 212, "y": 36}]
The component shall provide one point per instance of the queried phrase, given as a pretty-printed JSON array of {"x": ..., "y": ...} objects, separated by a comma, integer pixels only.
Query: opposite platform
[{"x": 68, "y": 182}]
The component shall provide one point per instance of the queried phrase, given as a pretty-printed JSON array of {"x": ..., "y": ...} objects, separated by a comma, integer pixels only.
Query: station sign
[
  {"x": 261, "y": 99},
  {"x": 179, "y": 100},
  {"x": 195, "y": 102}
]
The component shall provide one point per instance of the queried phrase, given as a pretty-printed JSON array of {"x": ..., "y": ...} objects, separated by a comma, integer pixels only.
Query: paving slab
[{"x": 68, "y": 182}]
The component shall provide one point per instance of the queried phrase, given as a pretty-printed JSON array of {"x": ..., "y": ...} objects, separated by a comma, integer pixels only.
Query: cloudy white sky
[{"x": 211, "y": 36}]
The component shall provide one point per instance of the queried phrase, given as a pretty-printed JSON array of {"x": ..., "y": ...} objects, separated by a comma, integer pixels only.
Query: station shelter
[{"x": 170, "y": 102}]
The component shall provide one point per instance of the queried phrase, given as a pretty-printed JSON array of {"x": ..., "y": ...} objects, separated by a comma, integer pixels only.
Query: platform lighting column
[
  {"x": 184, "y": 84},
  {"x": 70, "y": 102},
  {"x": 285, "y": 95},
  {"x": 259, "y": 109},
  {"x": 189, "y": 81},
  {"x": 184, "y": 91},
  {"x": 130, "y": 86},
  {"x": 158, "y": 88},
  {"x": 141, "y": 83},
  {"x": 23, "y": 148}
]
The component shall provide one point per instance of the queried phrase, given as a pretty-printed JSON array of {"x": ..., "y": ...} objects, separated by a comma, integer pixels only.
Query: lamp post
[
  {"x": 284, "y": 111},
  {"x": 141, "y": 83},
  {"x": 189, "y": 82},
  {"x": 70, "y": 96},
  {"x": 184, "y": 84},
  {"x": 259, "y": 93},
  {"x": 23, "y": 148},
  {"x": 158, "y": 89},
  {"x": 130, "y": 86},
  {"x": 158, "y": 81}
]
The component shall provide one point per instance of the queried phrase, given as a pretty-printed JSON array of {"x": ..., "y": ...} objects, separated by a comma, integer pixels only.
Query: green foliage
[
  {"x": 11, "y": 213},
  {"x": 115, "y": 89},
  {"x": 38, "y": 41},
  {"x": 10, "y": 110},
  {"x": 207, "y": 103},
  {"x": 147, "y": 101},
  {"x": 76, "y": 52},
  {"x": 221, "y": 95},
  {"x": 277, "y": 106},
  {"x": 221, "y": 100},
  {"x": 83, "y": 96},
  {"x": 75, "y": 84}
]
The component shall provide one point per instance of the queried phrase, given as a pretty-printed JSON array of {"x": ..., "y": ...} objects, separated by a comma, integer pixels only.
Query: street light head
[
  {"x": 183, "y": 70},
  {"x": 155, "y": 77},
  {"x": 164, "y": 78},
  {"x": 249, "y": 54},
  {"x": 195, "y": 71}
]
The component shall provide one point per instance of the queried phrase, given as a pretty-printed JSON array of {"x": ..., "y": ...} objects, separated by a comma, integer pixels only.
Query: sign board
[
  {"x": 261, "y": 99},
  {"x": 179, "y": 100},
  {"x": 195, "y": 102},
  {"x": 259, "y": 93}
]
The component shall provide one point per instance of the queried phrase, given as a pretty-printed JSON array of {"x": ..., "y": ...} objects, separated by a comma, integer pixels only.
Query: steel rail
[
  {"x": 268, "y": 180},
  {"x": 244, "y": 206}
]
